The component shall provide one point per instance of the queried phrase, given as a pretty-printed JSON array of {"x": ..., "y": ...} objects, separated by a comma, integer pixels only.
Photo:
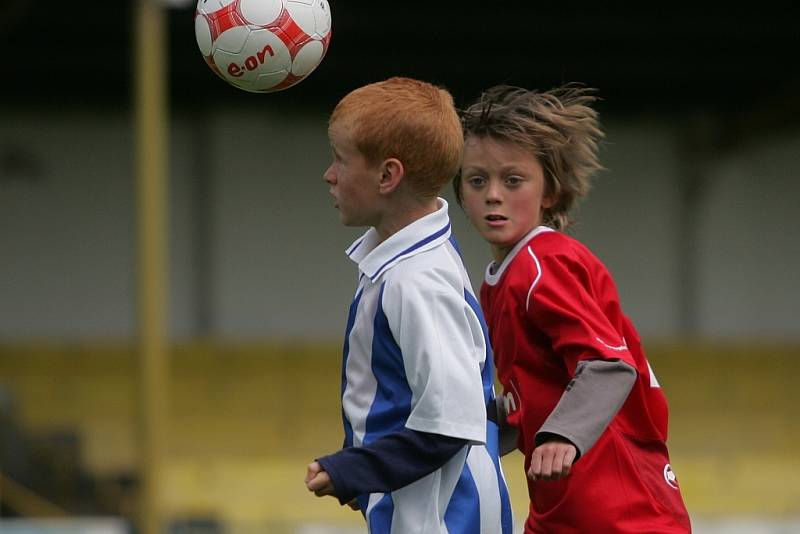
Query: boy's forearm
[
  {"x": 591, "y": 401},
  {"x": 389, "y": 463}
]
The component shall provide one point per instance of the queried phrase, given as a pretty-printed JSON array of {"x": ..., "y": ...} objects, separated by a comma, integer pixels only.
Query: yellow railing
[
  {"x": 245, "y": 420},
  {"x": 26, "y": 502}
]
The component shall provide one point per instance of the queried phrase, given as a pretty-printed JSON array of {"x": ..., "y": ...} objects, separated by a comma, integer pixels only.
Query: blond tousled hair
[
  {"x": 559, "y": 127},
  {"x": 411, "y": 120}
]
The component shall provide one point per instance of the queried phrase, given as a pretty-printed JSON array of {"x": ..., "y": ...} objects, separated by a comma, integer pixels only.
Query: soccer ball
[{"x": 262, "y": 46}]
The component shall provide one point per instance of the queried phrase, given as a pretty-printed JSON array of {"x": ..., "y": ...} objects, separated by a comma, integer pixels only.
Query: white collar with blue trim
[{"x": 425, "y": 233}]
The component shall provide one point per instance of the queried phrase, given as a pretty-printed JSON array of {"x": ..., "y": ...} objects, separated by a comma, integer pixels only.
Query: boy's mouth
[{"x": 495, "y": 219}]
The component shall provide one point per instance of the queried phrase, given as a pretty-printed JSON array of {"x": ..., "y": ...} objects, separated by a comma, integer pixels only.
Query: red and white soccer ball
[{"x": 263, "y": 45}]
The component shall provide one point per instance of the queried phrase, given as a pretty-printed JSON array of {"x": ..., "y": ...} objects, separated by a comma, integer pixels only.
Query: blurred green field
[{"x": 245, "y": 420}]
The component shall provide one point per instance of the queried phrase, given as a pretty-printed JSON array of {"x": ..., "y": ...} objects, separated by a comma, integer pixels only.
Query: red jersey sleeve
[{"x": 573, "y": 302}]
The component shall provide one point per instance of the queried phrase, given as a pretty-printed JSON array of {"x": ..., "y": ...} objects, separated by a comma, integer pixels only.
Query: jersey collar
[
  {"x": 374, "y": 259},
  {"x": 494, "y": 272}
]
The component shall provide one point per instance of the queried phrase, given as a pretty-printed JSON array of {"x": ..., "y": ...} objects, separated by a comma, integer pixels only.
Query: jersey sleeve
[
  {"x": 443, "y": 352},
  {"x": 591, "y": 400},
  {"x": 564, "y": 303},
  {"x": 388, "y": 463}
]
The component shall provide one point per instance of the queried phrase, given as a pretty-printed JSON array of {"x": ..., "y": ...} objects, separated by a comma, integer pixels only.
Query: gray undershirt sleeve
[{"x": 591, "y": 400}]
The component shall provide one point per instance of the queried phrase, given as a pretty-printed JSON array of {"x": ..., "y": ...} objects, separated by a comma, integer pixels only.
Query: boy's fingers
[
  {"x": 572, "y": 452},
  {"x": 551, "y": 462},
  {"x": 565, "y": 467},
  {"x": 535, "y": 470},
  {"x": 569, "y": 458},
  {"x": 547, "y": 465},
  {"x": 321, "y": 484},
  {"x": 557, "y": 465},
  {"x": 316, "y": 483},
  {"x": 312, "y": 470},
  {"x": 323, "y": 490},
  {"x": 565, "y": 457}
]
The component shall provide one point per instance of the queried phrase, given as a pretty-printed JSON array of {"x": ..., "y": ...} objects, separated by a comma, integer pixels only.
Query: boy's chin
[
  {"x": 496, "y": 240},
  {"x": 351, "y": 222}
]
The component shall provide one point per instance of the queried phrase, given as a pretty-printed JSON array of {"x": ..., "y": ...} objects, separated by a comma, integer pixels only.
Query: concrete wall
[{"x": 257, "y": 250}]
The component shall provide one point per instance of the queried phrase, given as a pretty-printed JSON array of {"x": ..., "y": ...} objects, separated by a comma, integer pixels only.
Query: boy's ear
[
  {"x": 550, "y": 197},
  {"x": 392, "y": 172}
]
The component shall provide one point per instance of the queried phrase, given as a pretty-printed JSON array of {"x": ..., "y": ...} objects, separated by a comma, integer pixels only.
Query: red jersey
[{"x": 550, "y": 305}]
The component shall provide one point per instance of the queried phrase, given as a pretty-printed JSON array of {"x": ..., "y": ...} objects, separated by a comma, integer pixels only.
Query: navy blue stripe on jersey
[
  {"x": 363, "y": 503},
  {"x": 462, "y": 515},
  {"x": 410, "y": 249},
  {"x": 392, "y": 404},
  {"x": 487, "y": 373},
  {"x": 380, "y": 517},
  {"x": 453, "y": 242},
  {"x": 493, "y": 446},
  {"x": 492, "y": 430},
  {"x": 351, "y": 319},
  {"x": 354, "y": 246}
]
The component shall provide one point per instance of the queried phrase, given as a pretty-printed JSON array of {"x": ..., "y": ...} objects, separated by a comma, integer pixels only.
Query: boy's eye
[
  {"x": 513, "y": 180},
  {"x": 476, "y": 181}
]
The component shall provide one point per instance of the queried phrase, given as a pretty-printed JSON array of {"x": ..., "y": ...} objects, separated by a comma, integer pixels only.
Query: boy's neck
[{"x": 400, "y": 214}]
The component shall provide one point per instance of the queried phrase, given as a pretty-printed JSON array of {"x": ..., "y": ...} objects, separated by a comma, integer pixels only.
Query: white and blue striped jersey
[{"x": 417, "y": 356}]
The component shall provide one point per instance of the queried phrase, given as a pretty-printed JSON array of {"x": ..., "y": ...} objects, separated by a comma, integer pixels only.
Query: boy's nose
[
  {"x": 328, "y": 176},
  {"x": 493, "y": 192}
]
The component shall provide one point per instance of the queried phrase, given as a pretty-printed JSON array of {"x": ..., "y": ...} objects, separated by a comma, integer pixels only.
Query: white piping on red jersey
[
  {"x": 624, "y": 345},
  {"x": 653, "y": 380},
  {"x": 535, "y": 280},
  {"x": 494, "y": 271}
]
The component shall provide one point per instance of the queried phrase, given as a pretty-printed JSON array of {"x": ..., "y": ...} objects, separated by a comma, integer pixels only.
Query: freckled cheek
[
  {"x": 524, "y": 208},
  {"x": 471, "y": 203}
]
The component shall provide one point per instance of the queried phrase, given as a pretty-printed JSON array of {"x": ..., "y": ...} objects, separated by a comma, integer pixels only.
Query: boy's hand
[
  {"x": 318, "y": 481},
  {"x": 552, "y": 460}
]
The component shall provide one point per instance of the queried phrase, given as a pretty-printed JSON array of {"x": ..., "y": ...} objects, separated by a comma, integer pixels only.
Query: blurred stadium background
[{"x": 206, "y": 422}]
